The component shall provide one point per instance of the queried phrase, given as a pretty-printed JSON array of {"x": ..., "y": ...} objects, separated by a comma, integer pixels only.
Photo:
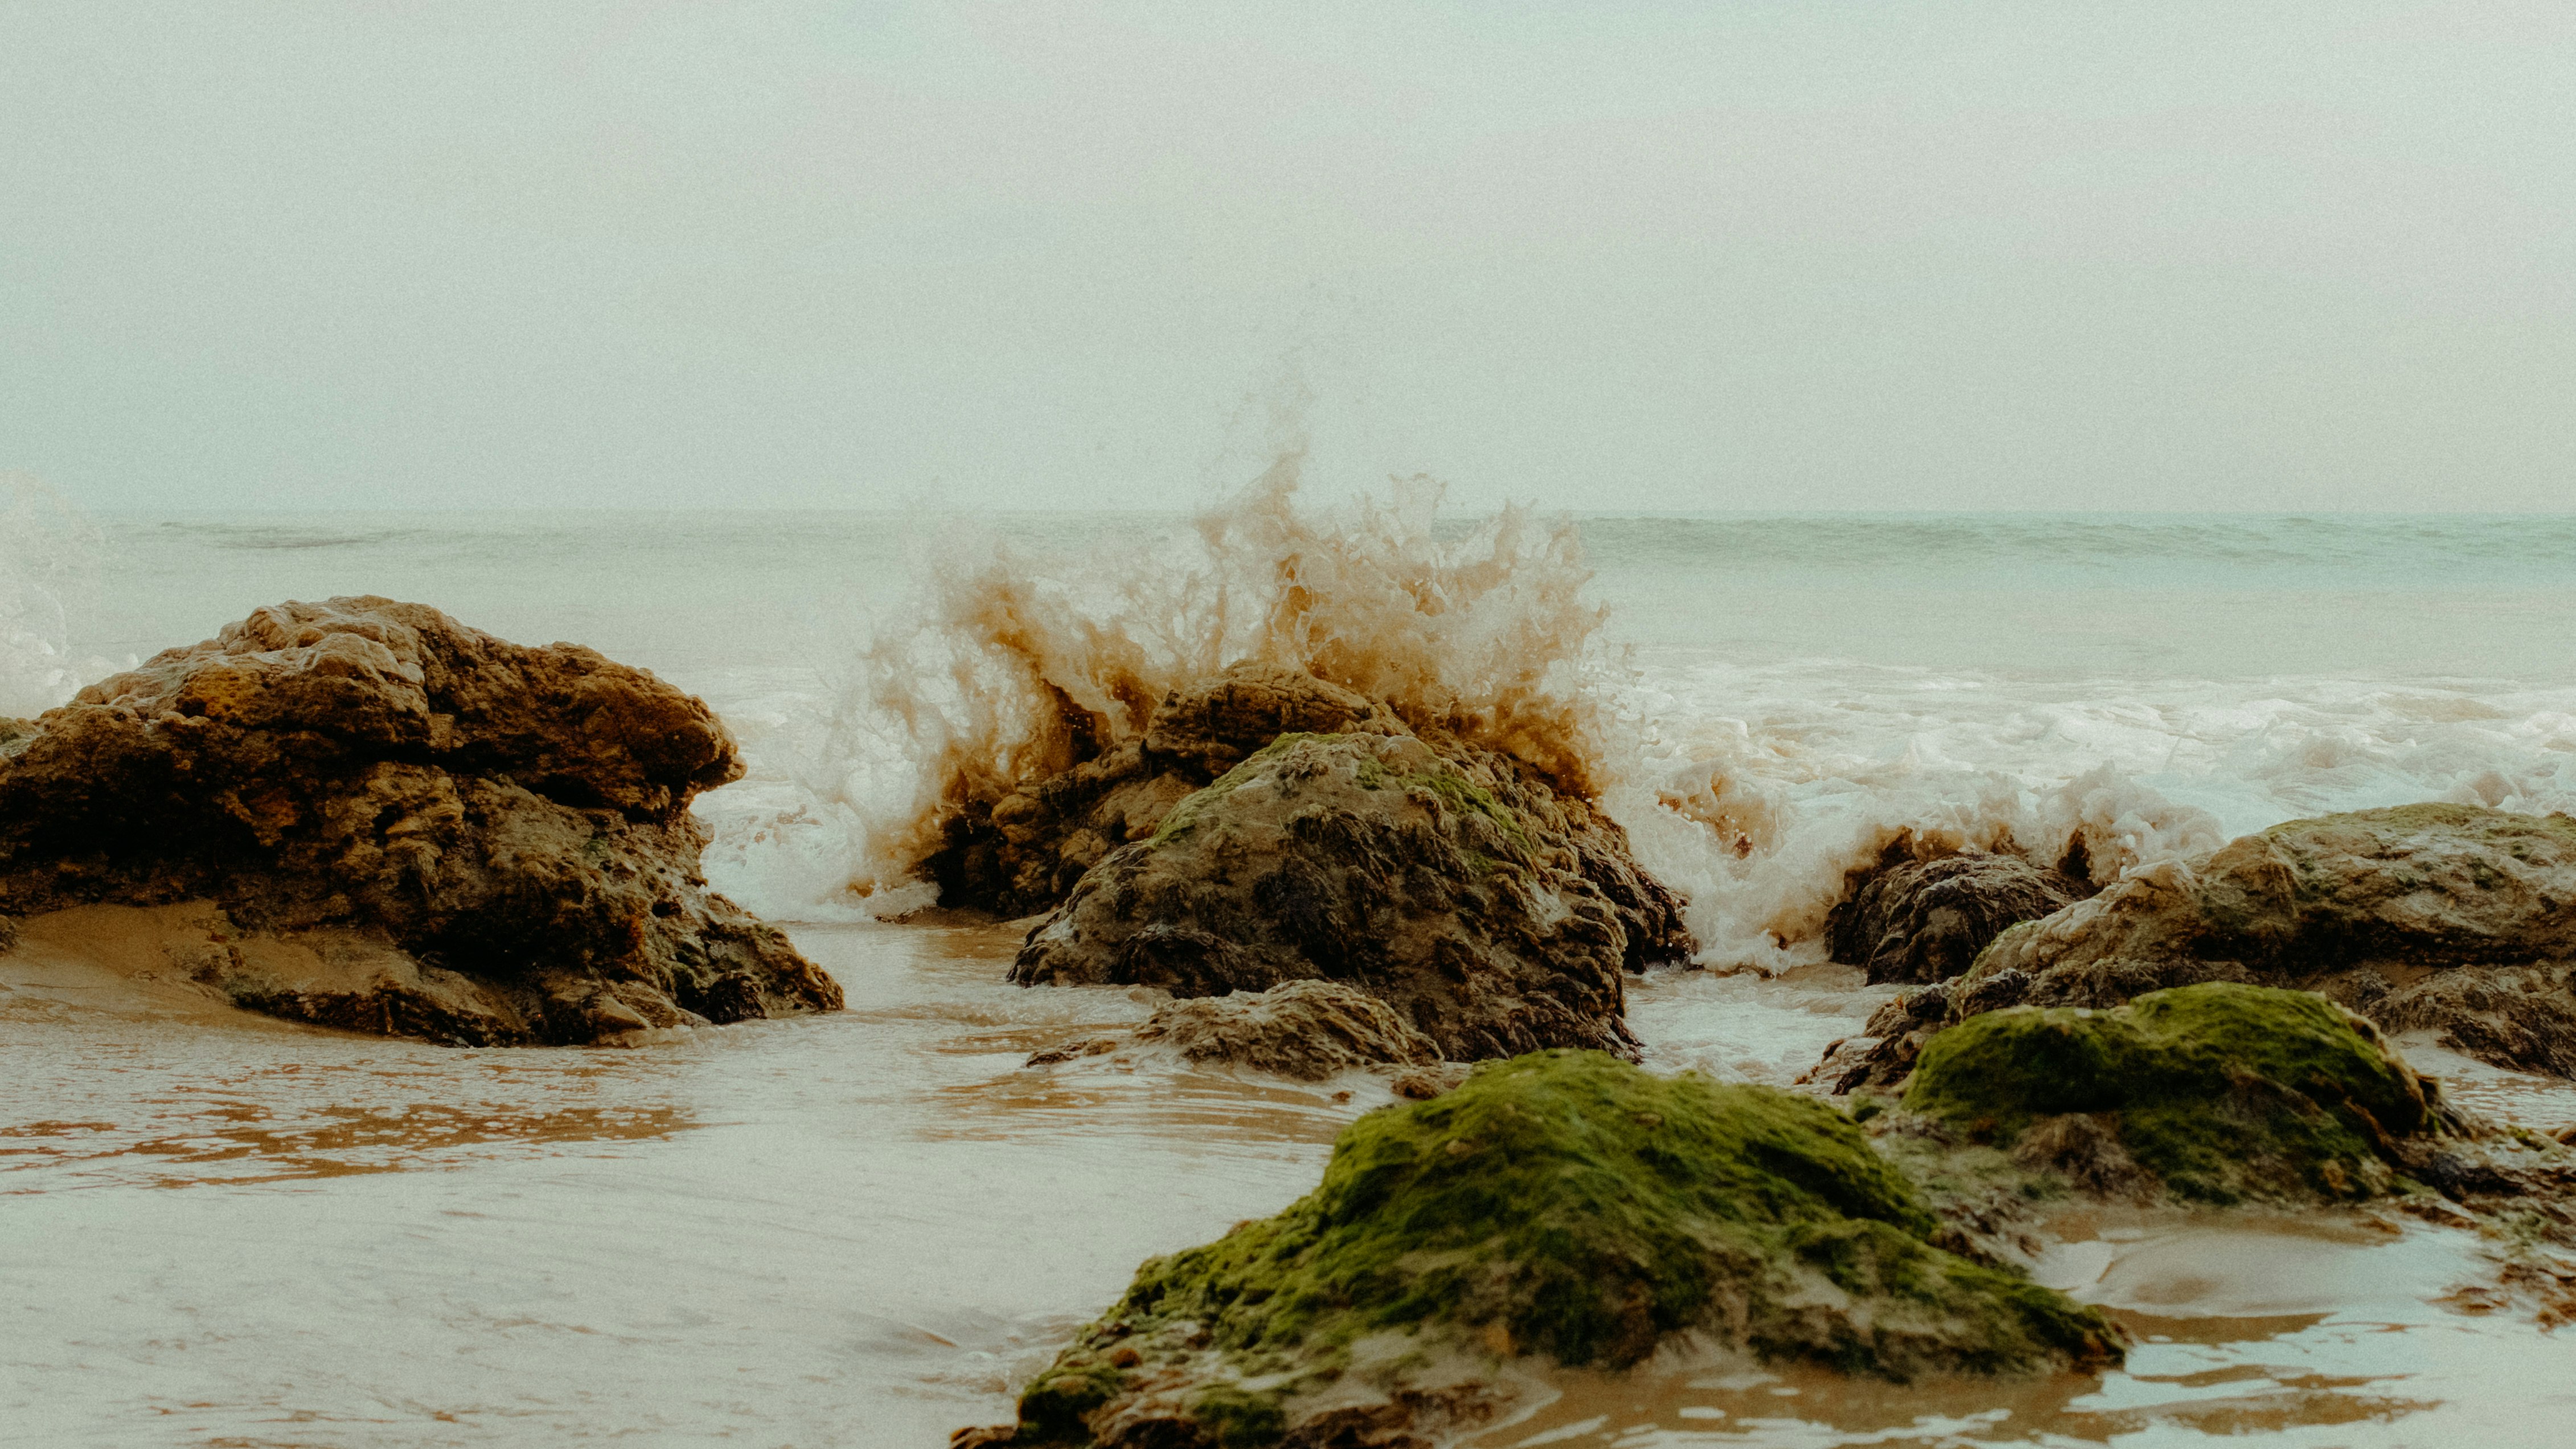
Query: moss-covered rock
[
  {"x": 1496, "y": 916},
  {"x": 1021, "y": 853},
  {"x": 1562, "y": 1205},
  {"x": 2214, "y": 1093},
  {"x": 2453, "y": 918}
]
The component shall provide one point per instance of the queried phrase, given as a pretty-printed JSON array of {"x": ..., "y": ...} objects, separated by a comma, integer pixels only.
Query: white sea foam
[
  {"x": 46, "y": 552},
  {"x": 1810, "y": 770}
]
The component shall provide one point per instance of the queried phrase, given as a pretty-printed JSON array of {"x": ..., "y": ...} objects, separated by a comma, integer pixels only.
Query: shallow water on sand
[{"x": 866, "y": 1229}]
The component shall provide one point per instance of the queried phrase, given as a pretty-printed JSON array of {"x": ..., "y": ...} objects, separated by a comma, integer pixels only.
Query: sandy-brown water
[{"x": 865, "y": 1229}]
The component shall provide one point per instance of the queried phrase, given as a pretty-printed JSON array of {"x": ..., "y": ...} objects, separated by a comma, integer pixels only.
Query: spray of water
[
  {"x": 47, "y": 552},
  {"x": 1008, "y": 665},
  {"x": 1754, "y": 792}
]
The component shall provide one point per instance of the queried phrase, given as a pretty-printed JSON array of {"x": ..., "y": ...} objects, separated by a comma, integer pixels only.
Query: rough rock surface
[
  {"x": 1926, "y": 920},
  {"x": 418, "y": 828},
  {"x": 2217, "y": 1093},
  {"x": 1023, "y": 854},
  {"x": 1309, "y": 1030},
  {"x": 2450, "y": 917},
  {"x": 2220, "y": 1093},
  {"x": 1444, "y": 884},
  {"x": 1562, "y": 1207}
]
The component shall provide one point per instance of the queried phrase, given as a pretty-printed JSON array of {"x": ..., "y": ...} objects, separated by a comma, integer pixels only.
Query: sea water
[{"x": 866, "y": 1229}]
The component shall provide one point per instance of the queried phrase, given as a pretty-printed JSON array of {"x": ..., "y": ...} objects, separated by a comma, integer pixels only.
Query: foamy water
[{"x": 862, "y": 1229}]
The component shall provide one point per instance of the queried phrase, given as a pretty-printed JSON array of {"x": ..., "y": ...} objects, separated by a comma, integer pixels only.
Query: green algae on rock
[
  {"x": 1497, "y": 916},
  {"x": 2215, "y": 1093},
  {"x": 2451, "y": 918},
  {"x": 1562, "y": 1205}
]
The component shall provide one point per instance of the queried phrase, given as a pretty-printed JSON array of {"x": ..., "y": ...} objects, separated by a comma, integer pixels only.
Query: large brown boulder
[
  {"x": 2455, "y": 918},
  {"x": 1495, "y": 915},
  {"x": 1926, "y": 920},
  {"x": 508, "y": 826},
  {"x": 2450, "y": 918}
]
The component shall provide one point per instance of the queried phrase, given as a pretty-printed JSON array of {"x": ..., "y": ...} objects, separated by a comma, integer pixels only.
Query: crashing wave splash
[
  {"x": 1010, "y": 666},
  {"x": 46, "y": 547}
]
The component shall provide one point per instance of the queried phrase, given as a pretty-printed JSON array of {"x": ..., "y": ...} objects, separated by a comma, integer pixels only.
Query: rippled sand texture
[{"x": 865, "y": 1229}]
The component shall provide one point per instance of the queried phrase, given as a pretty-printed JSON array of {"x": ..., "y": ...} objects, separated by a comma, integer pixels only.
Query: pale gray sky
[{"x": 1797, "y": 254}]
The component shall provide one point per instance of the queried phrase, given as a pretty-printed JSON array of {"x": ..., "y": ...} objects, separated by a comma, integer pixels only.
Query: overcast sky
[{"x": 1604, "y": 255}]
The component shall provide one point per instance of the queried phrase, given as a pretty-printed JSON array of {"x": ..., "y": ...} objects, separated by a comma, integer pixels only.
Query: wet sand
[{"x": 865, "y": 1229}]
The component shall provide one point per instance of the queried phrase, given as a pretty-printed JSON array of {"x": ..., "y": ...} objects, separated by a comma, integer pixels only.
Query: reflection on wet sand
[
  {"x": 1711, "y": 1404},
  {"x": 238, "y": 1142},
  {"x": 1174, "y": 1101},
  {"x": 139, "y": 1077},
  {"x": 2244, "y": 1322}
]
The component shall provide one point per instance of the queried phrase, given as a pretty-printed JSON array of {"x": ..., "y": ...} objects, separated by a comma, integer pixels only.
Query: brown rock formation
[
  {"x": 1023, "y": 854},
  {"x": 1497, "y": 916},
  {"x": 471, "y": 840},
  {"x": 2451, "y": 918},
  {"x": 1925, "y": 920},
  {"x": 2454, "y": 918}
]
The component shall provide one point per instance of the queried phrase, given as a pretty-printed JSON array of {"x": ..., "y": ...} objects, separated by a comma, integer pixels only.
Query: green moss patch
[
  {"x": 2224, "y": 1092},
  {"x": 1569, "y": 1205},
  {"x": 1186, "y": 815},
  {"x": 1452, "y": 789}
]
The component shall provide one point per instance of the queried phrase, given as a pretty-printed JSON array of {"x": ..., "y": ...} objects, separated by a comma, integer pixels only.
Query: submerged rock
[
  {"x": 1564, "y": 1207},
  {"x": 415, "y": 827},
  {"x": 1496, "y": 916},
  {"x": 1925, "y": 920},
  {"x": 2453, "y": 918},
  {"x": 1308, "y": 1030}
]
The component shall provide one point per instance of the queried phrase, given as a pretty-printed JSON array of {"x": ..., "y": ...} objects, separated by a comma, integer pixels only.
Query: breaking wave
[
  {"x": 1009, "y": 664},
  {"x": 1802, "y": 772},
  {"x": 1753, "y": 788},
  {"x": 46, "y": 553}
]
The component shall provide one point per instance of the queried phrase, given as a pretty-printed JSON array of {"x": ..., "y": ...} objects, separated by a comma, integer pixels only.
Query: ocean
[{"x": 865, "y": 1229}]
